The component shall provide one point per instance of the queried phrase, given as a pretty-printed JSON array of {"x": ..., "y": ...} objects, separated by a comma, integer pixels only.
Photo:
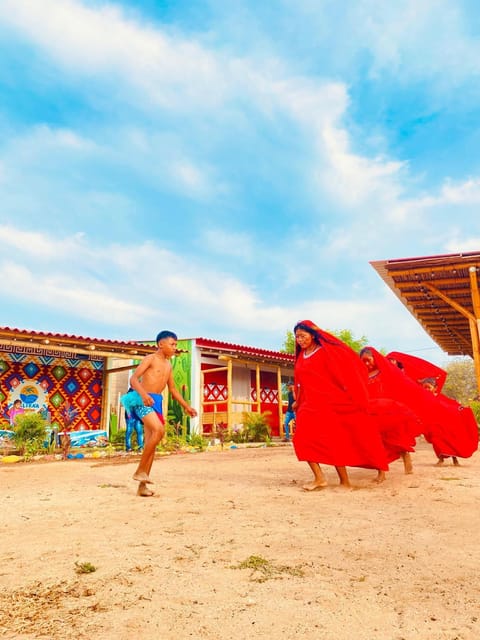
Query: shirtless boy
[{"x": 150, "y": 378}]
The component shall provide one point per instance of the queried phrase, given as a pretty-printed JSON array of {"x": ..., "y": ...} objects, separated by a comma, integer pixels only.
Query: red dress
[
  {"x": 332, "y": 423},
  {"x": 398, "y": 424},
  {"x": 452, "y": 430},
  {"x": 418, "y": 368},
  {"x": 449, "y": 427}
]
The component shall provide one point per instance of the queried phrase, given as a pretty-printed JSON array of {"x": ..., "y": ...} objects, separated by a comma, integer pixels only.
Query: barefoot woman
[{"x": 332, "y": 426}]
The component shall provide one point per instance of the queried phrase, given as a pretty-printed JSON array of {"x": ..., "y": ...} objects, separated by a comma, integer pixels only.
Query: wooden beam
[
  {"x": 454, "y": 266},
  {"x": 117, "y": 369},
  {"x": 475, "y": 325},
  {"x": 449, "y": 301}
]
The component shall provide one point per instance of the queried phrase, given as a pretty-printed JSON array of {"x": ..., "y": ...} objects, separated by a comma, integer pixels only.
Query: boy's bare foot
[
  {"x": 142, "y": 477},
  {"x": 315, "y": 486},
  {"x": 143, "y": 491}
]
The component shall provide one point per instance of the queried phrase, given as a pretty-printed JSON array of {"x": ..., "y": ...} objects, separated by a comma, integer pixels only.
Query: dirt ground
[{"x": 231, "y": 547}]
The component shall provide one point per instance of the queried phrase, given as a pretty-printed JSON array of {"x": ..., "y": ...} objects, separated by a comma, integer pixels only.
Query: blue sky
[{"x": 224, "y": 168}]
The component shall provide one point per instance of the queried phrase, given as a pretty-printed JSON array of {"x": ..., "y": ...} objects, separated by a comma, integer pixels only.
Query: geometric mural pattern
[
  {"x": 215, "y": 391},
  {"x": 75, "y": 380},
  {"x": 266, "y": 395}
]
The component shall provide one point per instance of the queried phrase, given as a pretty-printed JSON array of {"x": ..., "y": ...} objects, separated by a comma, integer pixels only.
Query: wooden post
[
  {"x": 475, "y": 324},
  {"x": 202, "y": 400},
  {"x": 105, "y": 417},
  {"x": 229, "y": 393},
  {"x": 280, "y": 403},
  {"x": 257, "y": 382}
]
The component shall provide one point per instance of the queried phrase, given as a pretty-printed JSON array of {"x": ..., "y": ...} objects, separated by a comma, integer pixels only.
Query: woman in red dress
[
  {"x": 450, "y": 427},
  {"x": 398, "y": 424},
  {"x": 332, "y": 423}
]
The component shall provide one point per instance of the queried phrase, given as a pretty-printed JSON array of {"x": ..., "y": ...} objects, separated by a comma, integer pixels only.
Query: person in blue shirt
[{"x": 290, "y": 413}]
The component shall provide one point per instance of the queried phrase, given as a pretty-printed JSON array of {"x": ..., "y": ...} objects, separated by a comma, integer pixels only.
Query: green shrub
[
  {"x": 475, "y": 407},
  {"x": 256, "y": 427},
  {"x": 30, "y": 433},
  {"x": 117, "y": 440},
  {"x": 197, "y": 441}
]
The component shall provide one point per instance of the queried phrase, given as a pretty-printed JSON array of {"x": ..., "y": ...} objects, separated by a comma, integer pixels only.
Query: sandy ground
[{"x": 230, "y": 547}]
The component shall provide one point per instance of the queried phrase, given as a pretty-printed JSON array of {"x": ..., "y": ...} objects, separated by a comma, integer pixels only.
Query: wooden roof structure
[
  {"x": 65, "y": 343},
  {"x": 442, "y": 293}
]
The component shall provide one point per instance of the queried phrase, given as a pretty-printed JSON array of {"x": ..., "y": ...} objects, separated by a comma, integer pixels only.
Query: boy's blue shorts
[{"x": 133, "y": 403}]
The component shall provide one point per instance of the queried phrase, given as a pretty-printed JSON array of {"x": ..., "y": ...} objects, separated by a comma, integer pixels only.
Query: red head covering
[
  {"x": 318, "y": 335},
  {"x": 418, "y": 369}
]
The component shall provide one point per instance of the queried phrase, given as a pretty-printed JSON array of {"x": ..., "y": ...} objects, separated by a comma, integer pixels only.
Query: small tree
[
  {"x": 68, "y": 414},
  {"x": 30, "y": 433},
  {"x": 461, "y": 383},
  {"x": 289, "y": 343}
]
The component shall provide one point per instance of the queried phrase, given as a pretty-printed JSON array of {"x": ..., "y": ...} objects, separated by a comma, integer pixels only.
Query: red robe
[
  {"x": 332, "y": 423},
  {"x": 450, "y": 427},
  {"x": 417, "y": 368},
  {"x": 400, "y": 387},
  {"x": 398, "y": 424}
]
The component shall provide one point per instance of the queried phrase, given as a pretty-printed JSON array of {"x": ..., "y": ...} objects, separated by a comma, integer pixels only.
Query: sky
[{"x": 225, "y": 168}]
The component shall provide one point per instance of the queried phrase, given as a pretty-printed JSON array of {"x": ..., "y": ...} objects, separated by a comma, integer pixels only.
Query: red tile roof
[
  {"x": 237, "y": 349},
  {"x": 74, "y": 342}
]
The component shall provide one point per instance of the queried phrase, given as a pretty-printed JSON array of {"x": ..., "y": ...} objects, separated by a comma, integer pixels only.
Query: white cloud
[
  {"x": 99, "y": 41},
  {"x": 63, "y": 292},
  {"x": 182, "y": 75},
  {"x": 453, "y": 196},
  {"x": 38, "y": 245},
  {"x": 467, "y": 244},
  {"x": 438, "y": 30}
]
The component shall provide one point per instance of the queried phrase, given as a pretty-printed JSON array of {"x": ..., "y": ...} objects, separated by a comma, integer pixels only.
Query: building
[
  {"x": 227, "y": 380},
  {"x": 222, "y": 380}
]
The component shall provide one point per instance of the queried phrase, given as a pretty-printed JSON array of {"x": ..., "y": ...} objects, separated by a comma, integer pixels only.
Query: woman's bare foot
[
  {"x": 440, "y": 462},
  {"x": 315, "y": 485},
  {"x": 455, "y": 461},
  {"x": 407, "y": 463},
  {"x": 143, "y": 491},
  {"x": 381, "y": 477},
  {"x": 345, "y": 486},
  {"x": 142, "y": 477}
]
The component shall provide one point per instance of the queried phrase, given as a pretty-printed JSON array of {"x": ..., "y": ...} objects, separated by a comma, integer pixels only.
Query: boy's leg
[{"x": 154, "y": 432}]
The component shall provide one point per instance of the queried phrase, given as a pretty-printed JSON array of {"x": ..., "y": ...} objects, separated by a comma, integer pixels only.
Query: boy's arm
[
  {"x": 137, "y": 385},
  {"x": 175, "y": 393}
]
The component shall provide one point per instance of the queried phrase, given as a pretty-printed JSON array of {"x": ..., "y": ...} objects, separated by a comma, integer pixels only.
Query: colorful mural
[{"x": 45, "y": 381}]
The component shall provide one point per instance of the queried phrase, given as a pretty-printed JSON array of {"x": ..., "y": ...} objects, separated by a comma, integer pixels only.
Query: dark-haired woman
[{"x": 332, "y": 423}]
